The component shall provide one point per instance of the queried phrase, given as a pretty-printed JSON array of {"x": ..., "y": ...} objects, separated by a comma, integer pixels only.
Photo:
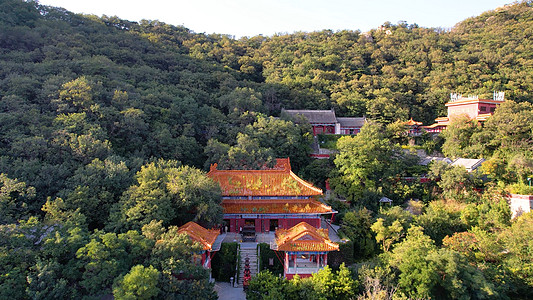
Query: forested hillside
[
  {"x": 106, "y": 125},
  {"x": 75, "y": 88}
]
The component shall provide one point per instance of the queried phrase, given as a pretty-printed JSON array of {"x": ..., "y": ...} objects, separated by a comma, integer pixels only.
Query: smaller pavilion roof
[
  {"x": 314, "y": 116},
  {"x": 205, "y": 237},
  {"x": 442, "y": 119},
  {"x": 351, "y": 121},
  {"x": 275, "y": 206},
  {"x": 412, "y": 122},
  {"x": 304, "y": 238},
  {"x": 469, "y": 164},
  {"x": 385, "y": 200}
]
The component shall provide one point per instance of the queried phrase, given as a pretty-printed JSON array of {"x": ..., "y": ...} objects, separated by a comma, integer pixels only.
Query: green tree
[
  {"x": 458, "y": 138},
  {"x": 458, "y": 279},
  {"x": 519, "y": 261},
  {"x": 357, "y": 227},
  {"x": 456, "y": 182},
  {"x": 47, "y": 282},
  {"x": 177, "y": 256},
  {"x": 508, "y": 131},
  {"x": 391, "y": 226},
  {"x": 169, "y": 193},
  {"x": 285, "y": 138},
  {"x": 265, "y": 285},
  {"x": 216, "y": 152},
  {"x": 364, "y": 163},
  {"x": 298, "y": 288},
  {"x": 95, "y": 187},
  {"x": 440, "y": 220},
  {"x": 418, "y": 275},
  {"x": 241, "y": 100},
  {"x": 18, "y": 253},
  {"x": 247, "y": 154},
  {"x": 139, "y": 283},
  {"x": 334, "y": 285},
  {"x": 108, "y": 256},
  {"x": 75, "y": 95},
  {"x": 172, "y": 249},
  {"x": 15, "y": 199}
]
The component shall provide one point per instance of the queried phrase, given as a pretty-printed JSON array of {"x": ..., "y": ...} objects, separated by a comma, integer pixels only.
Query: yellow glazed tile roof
[
  {"x": 277, "y": 206},
  {"x": 412, "y": 122},
  {"x": 206, "y": 237},
  {"x": 278, "y": 181},
  {"x": 304, "y": 238}
]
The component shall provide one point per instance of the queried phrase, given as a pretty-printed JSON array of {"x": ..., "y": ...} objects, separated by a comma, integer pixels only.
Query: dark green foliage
[
  {"x": 440, "y": 220},
  {"x": 265, "y": 285},
  {"x": 109, "y": 255},
  {"x": 224, "y": 262},
  {"x": 325, "y": 284},
  {"x": 345, "y": 255},
  {"x": 172, "y": 194},
  {"x": 268, "y": 255},
  {"x": 365, "y": 162},
  {"x": 356, "y": 225},
  {"x": 15, "y": 199},
  {"x": 317, "y": 172},
  {"x": 328, "y": 141}
]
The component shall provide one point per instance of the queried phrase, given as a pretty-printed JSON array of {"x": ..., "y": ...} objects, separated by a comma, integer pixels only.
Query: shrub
[
  {"x": 266, "y": 255},
  {"x": 521, "y": 189},
  {"x": 223, "y": 264},
  {"x": 344, "y": 255}
]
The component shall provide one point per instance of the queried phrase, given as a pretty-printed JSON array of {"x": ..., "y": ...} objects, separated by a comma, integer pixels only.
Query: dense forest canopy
[
  {"x": 76, "y": 88},
  {"x": 107, "y": 125}
]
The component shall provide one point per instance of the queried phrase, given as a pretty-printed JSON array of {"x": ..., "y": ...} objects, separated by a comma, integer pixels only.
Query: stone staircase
[{"x": 251, "y": 253}]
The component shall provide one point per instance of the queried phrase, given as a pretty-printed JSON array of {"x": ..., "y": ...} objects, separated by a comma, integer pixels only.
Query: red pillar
[
  {"x": 266, "y": 225},
  {"x": 232, "y": 225}
]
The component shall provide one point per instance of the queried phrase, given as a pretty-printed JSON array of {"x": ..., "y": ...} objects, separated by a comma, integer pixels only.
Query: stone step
[{"x": 251, "y": 254}]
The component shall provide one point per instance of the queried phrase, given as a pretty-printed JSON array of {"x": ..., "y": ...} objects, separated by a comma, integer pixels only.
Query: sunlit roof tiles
[
  {"x": 278, "y": 181},
  {"x": 205, "y": 237},
  {"x": 304, "y": 238}
]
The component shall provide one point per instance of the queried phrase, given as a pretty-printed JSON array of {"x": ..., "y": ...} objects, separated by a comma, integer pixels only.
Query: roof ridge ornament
[{"x": 498, "y": 96}]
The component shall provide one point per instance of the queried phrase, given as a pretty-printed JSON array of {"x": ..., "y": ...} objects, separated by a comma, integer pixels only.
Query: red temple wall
[{"x": 471, "y": 110}]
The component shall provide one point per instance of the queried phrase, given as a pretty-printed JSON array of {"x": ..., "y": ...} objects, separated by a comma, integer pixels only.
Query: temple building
[
  {"x": 326, "y": 122},
  {"x": 205, "y": 237},
  {"x": 306, "y": 249},
  {"x": 265, "y": 200},
  {"x": 471, "y": 106},
  {"x": 413, "y": 127}
]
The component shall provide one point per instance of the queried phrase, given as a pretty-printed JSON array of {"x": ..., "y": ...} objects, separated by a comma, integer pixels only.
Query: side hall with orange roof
[
  {"x": 305, "y": 248},
  {"x": 264, "y": 200},
  {"x": 205, "y": 237}
]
